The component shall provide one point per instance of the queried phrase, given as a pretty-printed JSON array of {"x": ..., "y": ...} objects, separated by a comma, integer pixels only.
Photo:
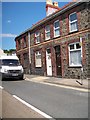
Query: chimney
[
  {"x": 49, "y": 2},
  {"x": 51, "y": 7}
]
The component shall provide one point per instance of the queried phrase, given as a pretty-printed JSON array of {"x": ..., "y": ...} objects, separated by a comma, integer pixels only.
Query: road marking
[
  {"x": 32, "y": 107},
  {"x": 63, "y": 86},
  {"x": 1, "y": 87}
]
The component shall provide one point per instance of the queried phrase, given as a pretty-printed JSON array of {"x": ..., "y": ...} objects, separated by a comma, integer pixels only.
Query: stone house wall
[
  {"x": 64, "y": 40},
  {"x": 22, "y": 50}
]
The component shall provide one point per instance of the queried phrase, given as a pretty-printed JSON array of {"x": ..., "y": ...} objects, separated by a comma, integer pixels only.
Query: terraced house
[{"x": 59, "y": 44}]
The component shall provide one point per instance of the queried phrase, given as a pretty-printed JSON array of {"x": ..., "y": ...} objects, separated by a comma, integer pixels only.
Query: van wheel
[
  {"x": 2, "y": 77},
  {"x": 21, "y": 78}
]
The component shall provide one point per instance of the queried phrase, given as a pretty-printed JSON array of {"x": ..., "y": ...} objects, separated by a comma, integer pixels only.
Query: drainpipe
[
  {"x": 29, "y": 53},
  {"x": 81, "y": 76},
  {"x": 82, "y": 62}
]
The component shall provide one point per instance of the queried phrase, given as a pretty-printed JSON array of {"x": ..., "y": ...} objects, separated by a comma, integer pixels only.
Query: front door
[
  {"x": 58, "y": 61},
  {"x": 48, "y": 62}
]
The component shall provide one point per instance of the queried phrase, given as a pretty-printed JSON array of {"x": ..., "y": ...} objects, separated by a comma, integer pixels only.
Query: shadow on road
[{"x": 12, "y": 79}]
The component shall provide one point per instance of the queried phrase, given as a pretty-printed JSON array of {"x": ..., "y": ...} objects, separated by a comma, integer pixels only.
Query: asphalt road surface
[{"x": 55, "y": 101}]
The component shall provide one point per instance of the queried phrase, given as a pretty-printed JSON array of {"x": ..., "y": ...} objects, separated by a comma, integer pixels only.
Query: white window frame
[
  {"x": 38, "y": 54},
  {"x": 47, "y": 32},
  {"x": 58, "y": 28},
  {"x": 75, "y": 21},
  {"x": 37, "y": 36},
  {"x": 75, "y": 49}
]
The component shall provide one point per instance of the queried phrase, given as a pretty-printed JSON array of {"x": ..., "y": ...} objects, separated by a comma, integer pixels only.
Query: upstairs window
[
  {"x": 47, "y": 32},
  {"x": 25, "y": 57},
  {"x": 73, "y": 22},
  {"x": 38, "y": 59},
  {"x": 37, "y": 37},
  {"x": 19, "y": 44},
  {"x": 56, "y": 28},
  {"x": 25, "y": 44},
  {"x": 75, "y": 54}
]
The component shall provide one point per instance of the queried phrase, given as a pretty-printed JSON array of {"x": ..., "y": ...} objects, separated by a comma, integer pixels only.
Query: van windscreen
[{"x": 10, "y": 62}]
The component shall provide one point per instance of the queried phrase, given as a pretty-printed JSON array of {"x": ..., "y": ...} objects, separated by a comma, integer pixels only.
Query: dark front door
[{"x": 58, "y": 60}]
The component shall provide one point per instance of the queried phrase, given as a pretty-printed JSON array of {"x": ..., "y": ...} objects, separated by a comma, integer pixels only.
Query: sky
[{"x": 18, "y": 17}]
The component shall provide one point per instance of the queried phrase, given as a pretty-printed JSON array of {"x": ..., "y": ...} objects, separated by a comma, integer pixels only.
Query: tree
[{"x": 9, "y": 51}]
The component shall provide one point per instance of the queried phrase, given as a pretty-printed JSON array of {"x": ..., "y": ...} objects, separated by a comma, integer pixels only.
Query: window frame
[
  {"x": 47, "y": 32},
  {"x": 57, "y": 28},
  {"x": 37, "y": 36},
  {"x": 19, "y": 44},
  {"x": 75, "y": 21},
  {"x": 24, "y": 42},
  {"x": 74, "y": 50},
  {"x": 39, "y": 54},
  {"x": 25, "y": 58}
]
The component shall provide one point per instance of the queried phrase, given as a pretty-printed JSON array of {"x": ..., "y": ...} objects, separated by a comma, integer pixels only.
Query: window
[
  {"x": 47, "y": 32},
  {"x": 25, "y": 57},
  {"x": 19, "y": 58},
  {"x": 73, "y": 22},
  {"x": 37, "y": 37},
  {"x": 38, "y": 59},
  {"x": 25, "y": 45},
  {"x": 56, "y": 28},
  {"x": 75, "y": 54},
  {"x": 19, "y": 44}
]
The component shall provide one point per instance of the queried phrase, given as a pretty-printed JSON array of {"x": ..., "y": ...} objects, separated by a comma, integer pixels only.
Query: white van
[{"x": 10, "y": 67}]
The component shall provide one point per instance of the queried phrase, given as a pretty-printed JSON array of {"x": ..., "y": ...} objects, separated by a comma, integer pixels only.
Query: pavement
[
  {"x": 78, "y": 83},
  {"x": 12, "y": 108}
]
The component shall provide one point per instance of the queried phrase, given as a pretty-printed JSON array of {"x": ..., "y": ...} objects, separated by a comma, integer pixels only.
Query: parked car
[{"x": 10, "y": 67}]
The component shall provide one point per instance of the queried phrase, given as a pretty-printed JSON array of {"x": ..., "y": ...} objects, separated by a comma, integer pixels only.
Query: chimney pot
[{"x": 55, "y": 3}]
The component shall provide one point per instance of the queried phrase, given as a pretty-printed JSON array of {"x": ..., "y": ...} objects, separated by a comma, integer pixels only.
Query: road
[{"x": 55, "y": 101}]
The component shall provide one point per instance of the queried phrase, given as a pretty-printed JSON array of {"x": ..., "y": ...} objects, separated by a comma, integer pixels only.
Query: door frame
[
  {"x": 60, "y": 64},
  {"x": 47, "y": 65}
]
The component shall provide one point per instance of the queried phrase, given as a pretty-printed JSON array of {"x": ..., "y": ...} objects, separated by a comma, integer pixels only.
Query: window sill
[
  {"x": 37, "y": 43},
  {"x": 80, "y": 66},
  {"x": 38, "y": 67},
  {"x": 24, "y": 47},
  {"x": 47, "y": 39},
  {"x": 56, "y": 37},
  {"x": 71, "y": 32}
]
